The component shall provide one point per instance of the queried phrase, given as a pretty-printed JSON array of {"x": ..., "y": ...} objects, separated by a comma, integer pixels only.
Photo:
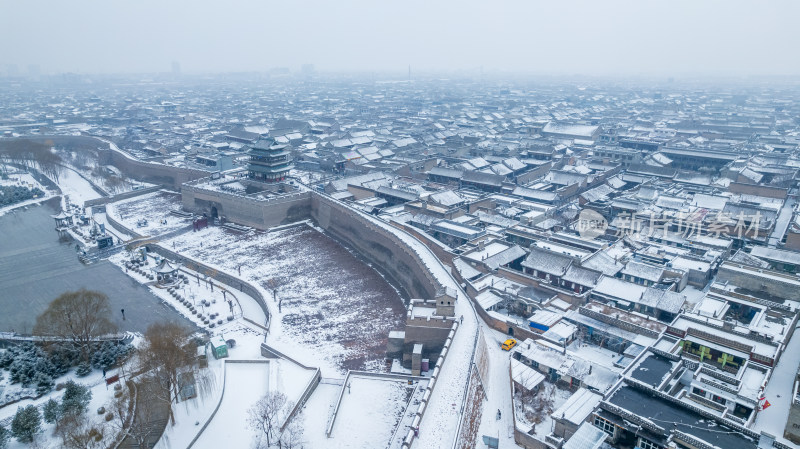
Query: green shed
[{"x": 219, "y": 347}]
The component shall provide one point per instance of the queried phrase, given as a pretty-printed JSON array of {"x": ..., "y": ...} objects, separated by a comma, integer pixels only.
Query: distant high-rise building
[
  {"x": 269, "y": 161},
  {"x": 176, "y": 68},
  {"x": 11, "y": 70},
  {"x": 307, "y": 69}
]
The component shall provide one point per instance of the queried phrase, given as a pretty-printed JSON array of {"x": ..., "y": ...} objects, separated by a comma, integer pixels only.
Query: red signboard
[{"x": 112, "y": 379}]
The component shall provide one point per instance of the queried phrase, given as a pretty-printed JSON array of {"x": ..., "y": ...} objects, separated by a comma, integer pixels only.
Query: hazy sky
[{"x": 601, "y": 37}]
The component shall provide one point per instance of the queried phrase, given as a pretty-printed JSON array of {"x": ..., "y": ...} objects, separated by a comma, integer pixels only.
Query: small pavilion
[
  {"x": 63, "y": 221},
  {"x": 166, "y": 272}
]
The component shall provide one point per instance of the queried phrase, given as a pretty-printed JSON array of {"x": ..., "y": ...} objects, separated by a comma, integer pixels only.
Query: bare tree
[
  {"x": 267, "y": 414},
  {"x": 48, "y": 162},
  {"x": 77, "y": 432},
  {"x": 30, "y": 154},
  {"x": 79, "y": 317},
  {"x": 292, "y": 435},
  {"x": 168, "y": 355}
]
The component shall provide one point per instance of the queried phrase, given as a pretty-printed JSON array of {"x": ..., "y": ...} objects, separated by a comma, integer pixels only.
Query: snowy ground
[
  {"x": 316, "y": 301},
  {"x": 100, "y": 176},
  {"x": 245, "y": 383},
  {"x": 191, "y": 414},
  {"x": 316, "y": 414},
  {"x": 154, "y": 208},
  {"x": 369, "y": 413},
  {"x": 374, "y": 414},
  {"x": 443, "y": 412},
  {"x": 101, "y": 396},
  {"x": 333, "y": 311},
  {"x": 73, "y": 187},
  {"x": 208, "y": 296},
  {"x": 76, "y": 188},
  {"x": 100, "y": 218}
]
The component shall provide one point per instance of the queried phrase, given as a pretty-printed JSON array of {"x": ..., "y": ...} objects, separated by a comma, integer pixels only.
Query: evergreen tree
[
  {"x": 83, "y": 370},
  {"x": 76, "y": 399},
  {"x": 26, "y": 424},
  {"x": 43, "y": 381},
  {"x": 52, "y": 411},
  {"x": 5, "y": 435}
]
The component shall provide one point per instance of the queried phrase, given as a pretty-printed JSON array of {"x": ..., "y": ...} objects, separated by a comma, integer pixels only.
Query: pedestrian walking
[{"x": 123, "y": 314}]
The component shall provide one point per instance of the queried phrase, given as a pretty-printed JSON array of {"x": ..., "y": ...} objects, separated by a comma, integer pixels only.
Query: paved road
[
  {"x": 35, "y": 268},
  {"x": 773, "y": 419}
]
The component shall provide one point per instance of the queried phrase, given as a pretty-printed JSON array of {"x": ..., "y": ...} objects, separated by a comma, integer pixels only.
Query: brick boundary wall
[{"x": 121, "y": 196}]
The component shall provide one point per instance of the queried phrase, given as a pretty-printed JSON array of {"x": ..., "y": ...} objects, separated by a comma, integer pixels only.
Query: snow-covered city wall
[
  {"x": 166, "y": 175},
  {"x": 377, "y": 245},
  {"x": 156, "y": 173},
  {"x": 259, "y": 213}
]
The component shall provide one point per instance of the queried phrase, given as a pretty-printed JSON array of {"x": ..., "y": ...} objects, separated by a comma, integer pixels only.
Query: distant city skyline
[{"x": 614, "y": 37}]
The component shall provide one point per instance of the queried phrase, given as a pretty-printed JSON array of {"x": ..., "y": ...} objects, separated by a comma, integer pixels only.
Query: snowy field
[
  {"x": 243, "y": 387},
  {"x": 153, "y": 207},
  {"x": 333, "y": 311},
  {"x": 245, "y": 383},
  {"x": 370, "y": 412},
  {"x": 76, "y": 188}
]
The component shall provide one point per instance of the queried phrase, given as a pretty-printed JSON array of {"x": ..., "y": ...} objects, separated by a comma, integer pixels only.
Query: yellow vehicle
[{"x": 508, "y": 344}]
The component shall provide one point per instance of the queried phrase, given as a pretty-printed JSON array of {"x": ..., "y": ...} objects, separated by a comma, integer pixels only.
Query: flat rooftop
[
  {"x": 652, "y": 369},
  {"x": 673, "y": 416}
]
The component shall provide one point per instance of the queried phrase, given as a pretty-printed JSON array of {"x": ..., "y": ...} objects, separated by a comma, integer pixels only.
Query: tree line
[
  {"x": 32, "y": 154},
  {"x": 159, "y": 372}
]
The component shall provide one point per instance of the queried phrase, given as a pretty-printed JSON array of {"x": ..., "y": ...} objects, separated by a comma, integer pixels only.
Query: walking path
[{"x": 779, "y": 392}]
